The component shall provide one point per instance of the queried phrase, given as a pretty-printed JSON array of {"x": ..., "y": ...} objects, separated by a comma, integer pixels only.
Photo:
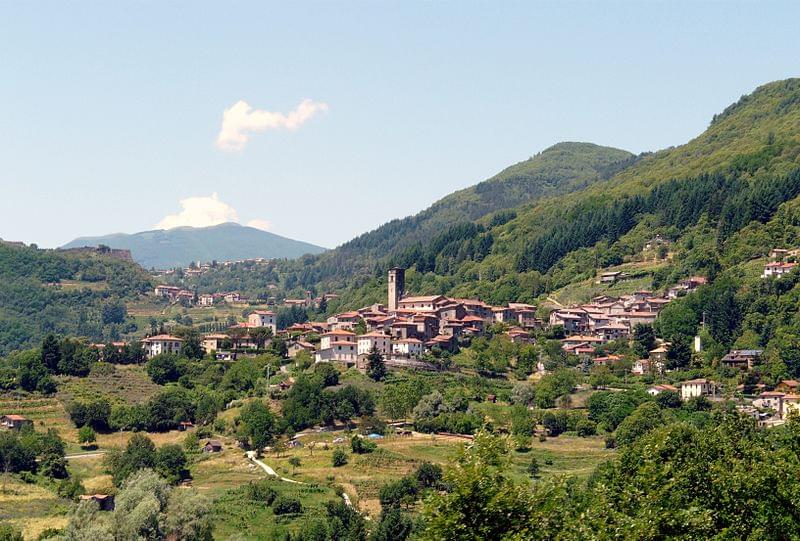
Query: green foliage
[
  {"x": 86, "y": 435},
  {"x": 166, "y": 368},
  {"x": 35, "y": 305},
  {"x": 9, "y": 533},
  {"x": 287, "y": 505},
  {"x": 256, "y": 425},
  {"x": 362, "y": 446},
  {"x": 339, "y": 457}
]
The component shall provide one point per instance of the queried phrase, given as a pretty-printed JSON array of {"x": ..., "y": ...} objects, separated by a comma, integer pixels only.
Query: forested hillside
[
  {"x": 723, "y": 198},
  {"x": 44, "y": 291},
  {"x": 706, "y": 196}
]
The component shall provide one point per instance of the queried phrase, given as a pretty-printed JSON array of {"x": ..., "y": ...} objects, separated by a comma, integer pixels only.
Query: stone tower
[{"x": 396, "y": 285}]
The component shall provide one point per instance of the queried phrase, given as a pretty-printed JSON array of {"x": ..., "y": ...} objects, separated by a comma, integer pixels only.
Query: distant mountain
[{"x": 180, "y": 246}]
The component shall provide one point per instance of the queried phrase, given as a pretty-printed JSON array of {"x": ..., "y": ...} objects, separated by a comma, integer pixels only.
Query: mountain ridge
[{"x": 180, "y": 246}]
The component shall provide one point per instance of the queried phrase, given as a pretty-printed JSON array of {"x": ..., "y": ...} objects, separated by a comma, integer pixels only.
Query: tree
[
  {"x": 294, "y": 462},
  {"x": 140, "y": 453},
  {"x": 376, "y": 366},
  {"x": 644, "y": 340},
  {"x": 257, "y": 426},
  {"x": 645, "y": 418},
  {"x": 165, "y": 368},
  {"x": 669, "y": 399},
  {"x": 287, "y": 505},
  {"x": 188, "y": 517},
  {"x": 679, "y": 354},
  {"x": 86, "y": 436},
  {"x": 394, "y": 525},
  {"x": 51, "y": 353},
  {"x": 170, "y": 462}
]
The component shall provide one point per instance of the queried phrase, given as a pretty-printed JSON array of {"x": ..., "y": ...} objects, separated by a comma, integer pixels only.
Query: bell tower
[{"x": 396, "y": 285}]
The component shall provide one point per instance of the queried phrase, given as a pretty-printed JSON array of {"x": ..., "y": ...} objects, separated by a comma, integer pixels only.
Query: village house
[
  {"x": 162, "y": 343},
  {"x": 741, "y": 359},
  {"x": 770, "y": 400},
  {"x": 262, "y": 318},
  {"x": 696, "y": 387},
  {"x": 647, "y": 366},
  {"x": 777, "y": 269},
  {"x": 657, "y": 389},
  {"x": 519, "y": 336},
  {"x": 788, "y": 386},
  {"x": 205, "y": 300},
  {"x": 296, "y": 347},
  {"x": 213, "y": 342},
  {"x": 374, "y": 341},
  {"x": 409, "y": 347},
  {"x": 167, "y": 291},
  {"x": 337, "y": 335},
  {"x": 15, "y": 422},
  {"x": 340, "y": 351}
]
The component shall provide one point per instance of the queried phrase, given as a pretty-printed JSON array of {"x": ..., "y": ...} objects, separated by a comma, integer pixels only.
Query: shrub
[
  {"x": 586, "y": 428},
  {"x": 362, "y": 446},
  {"x": 286, "y": 505},
  {"x": 86, "y": 435},
  {"x": 260, "y": 491},
  {"x": 339, "y": 458}
]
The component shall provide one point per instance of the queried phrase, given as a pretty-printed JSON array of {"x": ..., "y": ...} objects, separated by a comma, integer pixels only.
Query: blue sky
[{"x": 110, "y": 111}]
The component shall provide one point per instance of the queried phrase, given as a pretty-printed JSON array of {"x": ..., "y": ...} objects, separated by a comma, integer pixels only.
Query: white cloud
[
  {"x": 264, "y": 225},
  {"x": 200, "y": 212},
  {"x": 240, "y": 120}
]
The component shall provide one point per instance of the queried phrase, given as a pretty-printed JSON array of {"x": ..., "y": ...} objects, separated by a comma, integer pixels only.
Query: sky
[{"x": 322, "y": 120}]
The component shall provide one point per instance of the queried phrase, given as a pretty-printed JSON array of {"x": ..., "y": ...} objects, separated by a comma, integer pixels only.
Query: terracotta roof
[
  {"x": 161, "y": 337},
  {"x": 339, "y": 332}
]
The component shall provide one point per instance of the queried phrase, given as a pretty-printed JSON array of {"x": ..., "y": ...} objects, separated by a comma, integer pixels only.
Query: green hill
[
  {"x": 44, "y": 291},
  {"x": 558, "y": 218},
  {"x": 181, "y": 246},
  {"x": 703, "y": 196}
]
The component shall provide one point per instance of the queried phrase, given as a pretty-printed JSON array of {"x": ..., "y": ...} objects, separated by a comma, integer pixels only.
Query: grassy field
[{"x": 584, "y": 291}]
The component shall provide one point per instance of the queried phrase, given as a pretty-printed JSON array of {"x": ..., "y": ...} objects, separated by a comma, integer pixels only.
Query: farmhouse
[{"x": 15, "y": 422}]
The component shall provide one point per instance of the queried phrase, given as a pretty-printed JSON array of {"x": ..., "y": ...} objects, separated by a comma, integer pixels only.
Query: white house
[
  {"x": 341, "y": 351},
  {"x": 336, "y": 335},
  {"x": 374, "y": 340},
  {"x": 206, "y": 300},
  {"x": 262, "y": 318},
  {"x": 409, "y": 347},
  {"x": 657, "y": 389},
  {"x": 776, "y": 269},
  {"x": 162, "y": 343},
  {"x": 696, "y": 387}
]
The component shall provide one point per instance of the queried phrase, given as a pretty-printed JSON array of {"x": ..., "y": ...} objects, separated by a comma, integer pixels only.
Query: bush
[
  {"x": 10, "y": 533},
  {"x": 286, "y": 505},
  {"x": 362, "y": 446},
  {"x": 260, "y": 491},
  {"x": 339, "y": 458},
  {"x": 586, "y": 428},
  {"x": 86, "y": 435}
]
